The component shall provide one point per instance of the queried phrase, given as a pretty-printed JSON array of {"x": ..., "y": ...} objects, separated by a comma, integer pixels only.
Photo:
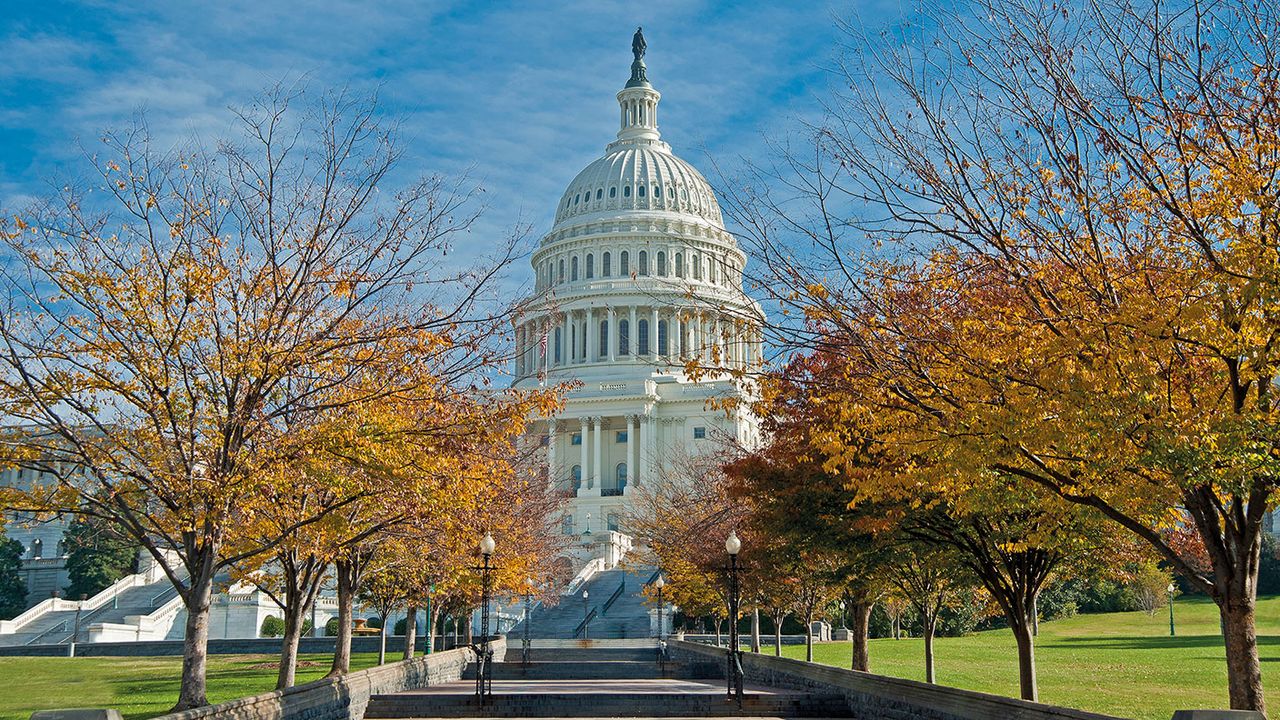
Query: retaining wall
[
  {"x": 241, "y": 646},
  {"x": 343, "y": 698},
  {"x": 876, "y": 696}
]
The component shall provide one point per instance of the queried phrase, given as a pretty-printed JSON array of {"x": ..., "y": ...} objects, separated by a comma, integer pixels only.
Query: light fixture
[
  {"x": 732, "y": 545},
  {"x": 659, "y": 583},
  {"x": 487, "y": 545}
]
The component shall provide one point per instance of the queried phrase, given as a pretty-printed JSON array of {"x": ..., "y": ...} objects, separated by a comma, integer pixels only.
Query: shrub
[
  {"x": 272, "y": 626},
  {"x": 331, "y": 627}
]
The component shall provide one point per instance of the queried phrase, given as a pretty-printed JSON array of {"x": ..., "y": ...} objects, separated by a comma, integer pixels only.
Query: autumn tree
[
  {"x": 166, "y": 321},
  {"x": 931, "y": 579}
]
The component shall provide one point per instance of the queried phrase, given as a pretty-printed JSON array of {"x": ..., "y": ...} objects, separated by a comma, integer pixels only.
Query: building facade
[{"x": 636, "y": 278}]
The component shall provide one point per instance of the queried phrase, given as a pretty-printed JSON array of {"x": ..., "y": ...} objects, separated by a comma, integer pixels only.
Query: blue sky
[{"x": 519, "y": 96}]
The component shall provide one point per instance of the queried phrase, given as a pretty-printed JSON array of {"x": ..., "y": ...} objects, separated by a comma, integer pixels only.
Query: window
[
  {"x": 697, "y": 267},
  {"x": 624, "y": 267},
  {"x": 583, "y": 350},
  {"x": 577, "y": 477},
  {"x": 624, "y": 331},
  {"x": 642, "y": 337},
  {"x": 604, "y": 338},
  {"x": 604, "y": 265},
  {"x": 591, "y": 266},
  {"x": 575, "y": 439},
  {"x": 679, "y": 265},
  {"x": 613, "y": 522},
  {"x": 561, "y": 269},
  {"x": 613, "y": 192},
  {"x": 612, "y": 487},
  {"x": 699, "y": 433},
  {"x": 711, "y": 271},
  {"x": 640, "y": 190},
  {"x": 566, "y": 525},
  {"x": 643, "y": 262},
  {"x": 600, "y": 194},
  {"x": 620, "y": 436},
  {"x": 626, "y": 191},
  {"x": 545, "y": 440},
  {"x": 557, "y": 348},
  {"x": 662, "y": 264},
  {"x": 662, "y": 337},
  {"x": 573, "y": 269},
  {"x": 576, "y": 198},
  {"x": 657, "y": 191},
  {"x": 37, "y": 548}
]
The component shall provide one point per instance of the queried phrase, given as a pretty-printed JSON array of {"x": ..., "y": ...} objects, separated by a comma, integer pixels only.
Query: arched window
[
  {"x": 583, "y": 350},
  {"x": 642, "y": 337},
  {"x": 605, "y": 270},
  {"x": 640, "y": 190},
  {"x": 613, "y": 192},
  {"x": 573, "y": 268},
  {"x": 679, "y": 265},
  {"x": 557, "y": 347},
  {"x": 697, "y": 267},
  {"x": 577, "y": 477},
  {"x": 662, "y": 264},
  {"x": 37, "y": 548},
  {"x": 591, "y": 266},
  {"x": 657, "y": 191},
  {"x": 604, "y": 338},
  {"x": 624, "y": 267},
  {"x": 626, "y": 191},
  {"x": 711, "y": 270},
  {"x": 573, "y": 338},
  {"x": 624, "y": 332},
  {"x": 620, "y": 474},
  {"x": 561, "y": 269},
  {"x": 600, "y": 194},
  {"x": 577, "y": 199},
  {"x": 643, "y": 262},
  {"x": 662, "y": 337}
]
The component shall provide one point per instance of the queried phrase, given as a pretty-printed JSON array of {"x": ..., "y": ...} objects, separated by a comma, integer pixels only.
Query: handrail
[
  {"x": 162, "y": 593},
  {"x": 583, "y": 625},
  {"x": 613, "y": 598}
]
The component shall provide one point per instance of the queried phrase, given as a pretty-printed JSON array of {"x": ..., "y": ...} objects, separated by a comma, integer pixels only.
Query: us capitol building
[{"x": 636, "y": 277}]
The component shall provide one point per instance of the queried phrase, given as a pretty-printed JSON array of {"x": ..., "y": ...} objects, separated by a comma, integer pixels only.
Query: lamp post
[
  {"x": 585, "y": 595},
  {"x": 484, "y": 656},
  {"x": 1171, "y": 590},
  {"x": 662, "y": 645},
  {"x": 732, "y": 545},
  {"x": 528, "y": 600}
]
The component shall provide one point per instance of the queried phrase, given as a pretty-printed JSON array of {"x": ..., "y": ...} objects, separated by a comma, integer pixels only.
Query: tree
[
  {"x": 931, "y": 580},
  {"x": 13, "y": 589},
  {"x": 160, "y": 334},
  {"x": 1150, "y": 584},
  {"x": 98, "y": 554}
]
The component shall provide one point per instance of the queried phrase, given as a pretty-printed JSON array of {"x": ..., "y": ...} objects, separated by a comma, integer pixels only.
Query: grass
[
  {"x": 139, "y": 687},
  {"x": 1119, "y": 663}
]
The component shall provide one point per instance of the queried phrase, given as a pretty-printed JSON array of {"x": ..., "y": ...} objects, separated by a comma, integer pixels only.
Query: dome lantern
[{"x": 639, "y": 101}]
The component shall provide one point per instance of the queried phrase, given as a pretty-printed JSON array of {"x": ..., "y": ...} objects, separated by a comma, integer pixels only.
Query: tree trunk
[
  {"x": 470, "y": 630},
  {"x": 755, "y": 630},
  {"x": 1026, "y": 657},
  {"x": 1244, "y": 673},
  {"x": 930, "y": 625},
  {"x": 432, "y": 623},
  {"x": 1035, "y": 616},
  {"x": 345, "y": 576},
  {"x": 410, "y": 631},
  {"x": 195, "y": 643},
  {"x": 808, "y": 638},
  {"x": 861, "y": 632},
  {"x": 289, "y": 646},
  {"x": 777, "y": 634},
  {"x": 718, "y": 642},
  {"x": 382, "y": 643}
]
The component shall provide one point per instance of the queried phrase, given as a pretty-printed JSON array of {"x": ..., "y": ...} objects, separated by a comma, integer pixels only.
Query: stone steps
[
  {"x": 512, "y": 669},
  {"x": 591, "y": 655},
  {"x": 584, "y": 705}
]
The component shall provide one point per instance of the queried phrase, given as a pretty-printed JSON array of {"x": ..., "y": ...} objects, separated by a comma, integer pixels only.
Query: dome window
[
  {"x": 600, "y": 194},
  {"x": 613, "y": 192},
  {"x": 697, "y": 267},
  {"x": 684, "y": 194},
  {"x": 626, "y": 191},
  {"x": 642, "y": 337},
  {"x": 573, "y": 270},
  {"x": 624, "y": 337},
  {"x": 662, "y": 337},
  {"x": 624, "y": 267},
  {"x": 591, "y": 266},
  {"x": 640, "y": 190},
  {"x": 657, "y": 191},
  {"x": 576, "y": 198},
  {"x": 679, "y": 265},
  {"x": 561, "y": 269},
  {"x": 662, "y": 264},
  {"x": 643, "y": 263},
  {"x": 604, "y": 339},
  {"x": 605, "y": 269}
]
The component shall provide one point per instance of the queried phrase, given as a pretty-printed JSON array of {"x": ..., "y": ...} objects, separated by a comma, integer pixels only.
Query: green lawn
[
  {"x": 1122, "y": 663},
  {"x": 138, "y": 687}
]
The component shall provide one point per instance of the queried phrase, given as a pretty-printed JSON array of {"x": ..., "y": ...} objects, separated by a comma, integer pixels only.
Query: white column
[
  {"x": 653, "y": 335},
  {"x": 633, "y": 335},
  {"x": 584, "y": 435},
  {"x": 612, "y": 340},
  {"x": 631, "y": 457},
  {"x": 595, "y": 465},
  {"x": 643, "y": 474},
  {"x": 552, "y": 470},
  {"x": 673, "y": 335},
  {"x": 592, "y": 336}
]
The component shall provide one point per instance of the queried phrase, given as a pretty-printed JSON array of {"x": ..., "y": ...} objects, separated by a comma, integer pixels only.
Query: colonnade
[
  {"x": 634, "y": 333},
  {"x": 640, "y": 463}
]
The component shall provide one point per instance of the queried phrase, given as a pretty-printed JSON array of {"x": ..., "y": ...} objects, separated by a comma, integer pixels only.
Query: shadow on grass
[{"x": 1151, "y": 643}]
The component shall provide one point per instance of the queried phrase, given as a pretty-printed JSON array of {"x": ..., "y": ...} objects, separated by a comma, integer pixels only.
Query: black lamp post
[
  {"x": 732, "y": 545},
  {"x": 585, "y": 618},
  {"x": 484, "y": 656},
  {"x": 528, "y": 600},
  {"x": 662, "y": 645},
  {"x": 1171, "y": 589}
]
